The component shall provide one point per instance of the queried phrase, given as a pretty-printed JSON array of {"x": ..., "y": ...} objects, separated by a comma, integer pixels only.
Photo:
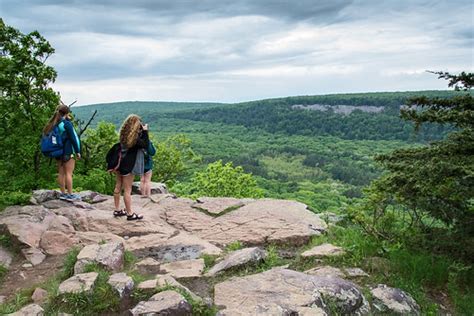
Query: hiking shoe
[
  {"x": 74, "y": 197},
  {"x": 63, "y": 196}
]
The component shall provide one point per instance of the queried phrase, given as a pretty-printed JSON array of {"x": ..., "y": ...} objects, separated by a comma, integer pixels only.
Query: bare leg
[
  {"x": 127, "y": 182},
  {"x": 61, "y": 176},
  {"x": 117, "y": 190},
  {"x": 69, "y": 169},
  {"x": 147, "y": 181},
  {"x": 143, "y": 184}
]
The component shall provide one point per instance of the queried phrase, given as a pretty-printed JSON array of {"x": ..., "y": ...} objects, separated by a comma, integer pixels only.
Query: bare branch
[{"x": 88, "y": 123}]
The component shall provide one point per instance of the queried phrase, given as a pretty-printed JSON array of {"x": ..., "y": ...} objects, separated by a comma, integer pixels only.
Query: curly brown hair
[{"x": 130, "y": 130}]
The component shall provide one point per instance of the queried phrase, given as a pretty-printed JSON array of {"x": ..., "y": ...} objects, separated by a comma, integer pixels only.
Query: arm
[
  {"x": 142, "y": 141},
  {"x": 72, "y": 135},
  {"x": 151, "y": 149}
]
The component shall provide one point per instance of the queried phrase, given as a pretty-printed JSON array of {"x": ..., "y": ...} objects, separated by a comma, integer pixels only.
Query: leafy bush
[
  {"x": 224, "y": 180},
  {"x": 96, "y": 180},
  {"x": 14, "y": 198}
]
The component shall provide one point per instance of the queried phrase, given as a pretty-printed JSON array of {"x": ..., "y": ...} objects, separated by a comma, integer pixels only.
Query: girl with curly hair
[{"x": 134, "y": 140}]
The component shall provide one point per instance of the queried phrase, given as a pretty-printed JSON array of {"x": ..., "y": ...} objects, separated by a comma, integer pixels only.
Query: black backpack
[{"x": 114, "y": 157}]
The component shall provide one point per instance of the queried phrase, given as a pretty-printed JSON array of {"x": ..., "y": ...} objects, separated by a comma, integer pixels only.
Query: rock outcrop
[
  {"x": 293, "y": 292},
  {"x": 163, "y": 303},
  {"x": 393, "y": 301},
  {"x": 109, "y": 256},
  {"x": 256, "y": 223},
  {"x": 238, "y": 258},
  {"x": 122, "y": 283},
  {"x": 29, "y": 310},
  {"x": 79, "y": 283}
]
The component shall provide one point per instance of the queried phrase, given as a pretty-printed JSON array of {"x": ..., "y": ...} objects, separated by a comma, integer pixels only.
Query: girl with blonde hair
[
  {"x": 71, "y": 150},
  {"x": 134, "y": 140}
]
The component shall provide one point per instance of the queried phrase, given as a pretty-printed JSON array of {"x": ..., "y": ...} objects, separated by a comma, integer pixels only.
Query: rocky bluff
[{"x": 171, "y": 243}]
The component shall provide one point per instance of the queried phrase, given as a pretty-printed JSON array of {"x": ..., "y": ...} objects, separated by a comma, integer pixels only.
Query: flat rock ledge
[
  {"x": 238, "y": 258},
  {"x": 324, "y": 250},
  {"x": 286, "y": 292},
  {"x": 109, "y": 256},
  {"x": 29, "y": 310},
  {"x": 79, "y": 283},
  {"x": 163, "y": 303},
  {"x": 393, "y": 301},
  {"x": 217, "y": 205},
  {"x": 256, "y": 223}
]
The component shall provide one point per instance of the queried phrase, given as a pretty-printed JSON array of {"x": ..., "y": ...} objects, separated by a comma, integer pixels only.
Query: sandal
[
  {"x": 120, "y": 213},
  {"x": 134, "y": 217}
]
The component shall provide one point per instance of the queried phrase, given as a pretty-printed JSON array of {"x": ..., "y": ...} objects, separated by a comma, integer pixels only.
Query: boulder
[
  {"x": 217, "y": 205},
  {"x": 45, "y": 195},
  {"x": 256, "y": 223},
  {"x": 156, "y": 188},
  {"x": 122, "y": 283},
  {"x": 184, "y": 269},
  {"x": 109, "y": 256},
  {"x": 393, "y": 301},
  {"x": 56, "y": 243},
  {"x": 324, "y": 250},
  {"x": 92, "y": 197},
  {"x": 182, "y": 246},
  {"x": 26, "y": 224},
  {"x": 33, "y": 255},
  {"x": 164, "y": 303},
  {"x": 5, "y": 257},
  {"x": 355, "y": 272},
  {"x": 148, "y": 266},
  {"x": 39, "y": 295},
  {"x": 79, "y": 283},
  {"x": 29, "y": 310},
  {"x": 238, "y": 258},
  {"x": 277, "y": 290},
  {"x": 326, "y": 271},
  {"x": 150, "y": 286}
]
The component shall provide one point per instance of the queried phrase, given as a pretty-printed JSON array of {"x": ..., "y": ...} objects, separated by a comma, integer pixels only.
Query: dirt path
[{"x": 19, "y": 277}]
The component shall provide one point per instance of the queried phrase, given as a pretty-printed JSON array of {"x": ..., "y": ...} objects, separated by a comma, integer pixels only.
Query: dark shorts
[
  {"x": 64, "y": 158},
  {"x": 146, "y": 171}
]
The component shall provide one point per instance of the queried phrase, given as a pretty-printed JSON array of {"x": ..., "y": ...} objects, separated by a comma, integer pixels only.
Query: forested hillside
[{"x": 281, "y": 115}]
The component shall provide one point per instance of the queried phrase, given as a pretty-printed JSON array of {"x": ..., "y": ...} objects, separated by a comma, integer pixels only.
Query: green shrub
[
  {"x": 220, "y": 179},
  {"x": 103, "y": 298},
  {"x": 14, "y": 198},
  {"x": 68, "y": 264},
  {"x": 233, "y": 246}
]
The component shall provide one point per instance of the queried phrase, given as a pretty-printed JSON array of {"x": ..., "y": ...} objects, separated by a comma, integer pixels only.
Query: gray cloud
[{"x": 246, "y": 49}]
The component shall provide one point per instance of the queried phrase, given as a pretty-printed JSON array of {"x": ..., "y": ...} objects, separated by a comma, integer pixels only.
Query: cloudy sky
[{"x": 231, "y": 50}]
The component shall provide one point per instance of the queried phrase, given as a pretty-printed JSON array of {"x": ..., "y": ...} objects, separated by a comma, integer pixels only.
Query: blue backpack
[{"x": 52, "y": 143}]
